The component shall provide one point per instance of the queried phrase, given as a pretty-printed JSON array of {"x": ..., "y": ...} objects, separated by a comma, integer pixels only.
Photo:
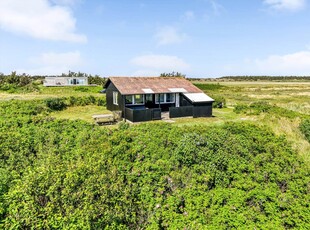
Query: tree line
[{"x": 24, "y": 82}]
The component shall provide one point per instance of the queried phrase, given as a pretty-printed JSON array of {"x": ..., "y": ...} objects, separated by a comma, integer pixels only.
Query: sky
[{"x": 199, "y": 38}]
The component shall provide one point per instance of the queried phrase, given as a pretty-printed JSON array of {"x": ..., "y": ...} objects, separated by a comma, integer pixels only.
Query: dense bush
[
  {"x": 305, "y": 128},
  {"x": 62, "y": 103},
  {"x": 73, "y": 175},
  {"x": 256, "y": 108},
  {"x": 219, "y": 101},
  {"x": 21, "y": 109},
  {"x": 86, "y": 100},
  {"x": 96, "y": 80},
  {"x": 56, "y": 103},
  {"x": 209, "y": 87},
  {"x": 18, "y": 83},
  {"x": 17, "y": 109}
]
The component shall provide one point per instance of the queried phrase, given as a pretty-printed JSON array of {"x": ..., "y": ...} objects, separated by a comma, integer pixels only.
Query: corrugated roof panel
[
  {"x": 198, "y": 97},
  {"x": 135, "y": 85}
]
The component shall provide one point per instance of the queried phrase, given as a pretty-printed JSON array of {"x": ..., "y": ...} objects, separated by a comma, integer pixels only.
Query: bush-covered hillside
[
  {"x": 305, "y": 128},
  {"x": 58, "y": 174}
]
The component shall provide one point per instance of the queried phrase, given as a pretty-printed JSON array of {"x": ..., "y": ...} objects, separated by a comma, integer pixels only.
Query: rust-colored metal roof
[{"x": 144, "y": 85}]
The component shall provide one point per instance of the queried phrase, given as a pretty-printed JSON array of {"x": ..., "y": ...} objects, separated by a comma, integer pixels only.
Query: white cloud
[
  {"x": 156, "y": 64},
  {"x": 169, "y": 35},
  {"x": 39, "y": 19},
  {"x": 291, "y": 5},
  {"x": 54, "y": 63},
  {"x": 294, "y": 64},
  {"x": 290, "y": 64}
]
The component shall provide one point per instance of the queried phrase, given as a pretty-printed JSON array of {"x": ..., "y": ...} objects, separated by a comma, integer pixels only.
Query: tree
[{"x": 173, "y": 74}]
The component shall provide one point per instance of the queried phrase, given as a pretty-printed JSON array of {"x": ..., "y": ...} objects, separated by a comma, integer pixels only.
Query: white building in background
[{"x": 65, "y": 81}]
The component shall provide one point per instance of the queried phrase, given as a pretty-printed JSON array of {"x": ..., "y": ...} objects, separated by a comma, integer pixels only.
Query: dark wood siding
[
  {"x": 109, "y": 95},
  {"x": 143, "y": 114},
  {"x": 183, "y": 111},
  {"x": 202, "y": 110},
  {"x": 184, "y": 101}
]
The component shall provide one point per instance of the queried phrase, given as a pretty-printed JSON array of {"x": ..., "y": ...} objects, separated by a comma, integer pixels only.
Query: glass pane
[
  {"x": 170, "y": 97},
  {"x": 139, "y": 99},
  {"x": 148, "y": 98},
  {"x": 128, "y": 99},
  {"x": 160, "y": 97},
  {"x": 115, "y": 100},
  {"x": 81, "y": 81}
]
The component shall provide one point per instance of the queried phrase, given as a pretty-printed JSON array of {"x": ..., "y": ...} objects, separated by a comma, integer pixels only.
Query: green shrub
[
  {"x": 241, "y": 108},
  {"x": 57, "y": 104},
  {"x": 61, "y": 174},
  {"x": 14, "y": 109},
  {"x": 210, "y": 87},
  {"x": 219, "y": 101},
  {"x": 72, "y": 175},
  {"x": 305, "y": 128},
  {"x": 81, "y": 89},
  {"x": 256, "y": 108},
  {"x": 86, "y": 100},
  {"x": 123, "y": 125}
]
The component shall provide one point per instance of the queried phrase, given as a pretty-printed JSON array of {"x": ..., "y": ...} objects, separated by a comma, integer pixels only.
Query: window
[
  {"x": 80, "y": 81},
  {"x": 148, "y": 98},
  {"x": 76, "y": 81},
  {"x": 129, "y": 100},
  {"x": 115, "y": 98},
  {"x": 170, "y": 97},
  {"x": 137, "y": 99},
  {"x": 165, "y": 98},
  {"x": 160, "y": 98}
]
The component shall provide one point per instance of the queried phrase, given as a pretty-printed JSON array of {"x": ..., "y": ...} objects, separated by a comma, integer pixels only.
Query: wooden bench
[{"x": 104, "y": 118}]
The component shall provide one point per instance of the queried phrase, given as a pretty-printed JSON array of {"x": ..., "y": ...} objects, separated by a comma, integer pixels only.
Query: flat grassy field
[
  {"x": 48, "y": 92},
  {"x": 290, "y": 95},
  {"x": 80, "y": 112}
]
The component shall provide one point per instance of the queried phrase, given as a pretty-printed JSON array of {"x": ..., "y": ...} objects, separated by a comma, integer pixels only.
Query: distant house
[
  {"x": 145, "y": 98},
  {"x": 65, "y": 81}
]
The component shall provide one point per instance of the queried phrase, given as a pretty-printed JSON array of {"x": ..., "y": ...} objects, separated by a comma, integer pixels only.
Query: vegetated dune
[{"x": 70, "y": 174}]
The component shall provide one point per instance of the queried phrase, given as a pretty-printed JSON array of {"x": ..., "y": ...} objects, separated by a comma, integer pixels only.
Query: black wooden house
[{"x": 145, "y": 98}]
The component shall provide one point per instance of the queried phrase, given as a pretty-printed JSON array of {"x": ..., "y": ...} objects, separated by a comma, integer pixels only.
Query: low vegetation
[
  {"x": 70, "y": 174},
  {"x": 247, "y": 167},
  {"x": 258, "y": 107},
  {"x": 266, "y": 78},
  {"x": 305, "y": 128}
]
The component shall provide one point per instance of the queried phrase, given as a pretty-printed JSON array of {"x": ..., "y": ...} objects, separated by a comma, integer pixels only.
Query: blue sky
[{"x": 200, "y": 38}]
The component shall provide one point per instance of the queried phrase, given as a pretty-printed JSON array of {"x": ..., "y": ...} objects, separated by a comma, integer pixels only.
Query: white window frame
[
  {"x": 165, "y": 99},
  {"x": 115, "y": 97},
  {"x": 134, "y": 100}
]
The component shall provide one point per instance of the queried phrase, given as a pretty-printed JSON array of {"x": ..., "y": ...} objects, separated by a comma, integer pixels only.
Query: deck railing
[
  {"x": 184, "y": 111},
  {"x": 137, "y": 114}
]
